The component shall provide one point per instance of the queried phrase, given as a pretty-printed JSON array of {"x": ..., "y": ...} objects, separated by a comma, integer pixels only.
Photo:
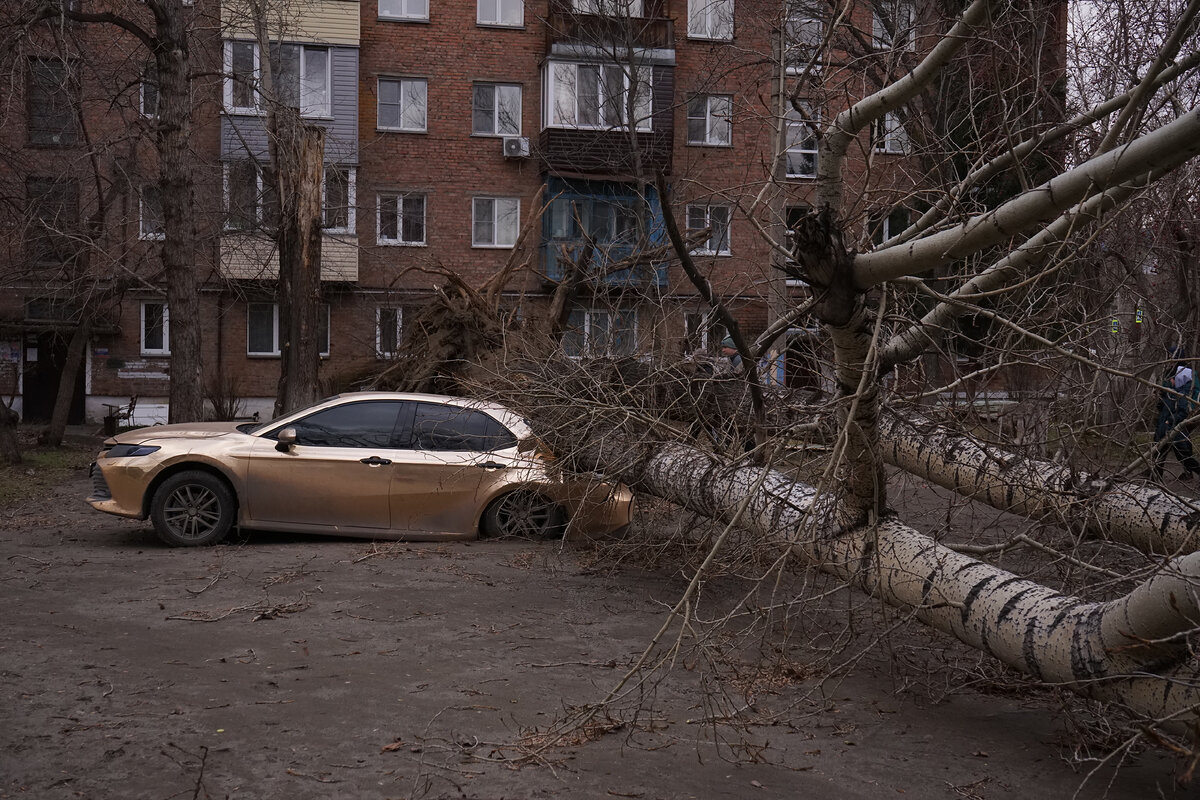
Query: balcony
[
  {"x": 247, "y": 257},
  {"x": 557, "y": 257},
  {"x": 569, "y": 32}
]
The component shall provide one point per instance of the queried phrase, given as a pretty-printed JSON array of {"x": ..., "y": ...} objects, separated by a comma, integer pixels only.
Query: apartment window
[
  {"x": 387, "y": 331},
  {"x": 338, "y": 205},
  {"x": 710, "y": 19},
  {"x": 302, "y": 76},
  {"x": 148, "y": 96},
  {"x": 716, "y": 220},
  {"x": 600, "y": 332},
  {"x": 608, "y": 8},
  {"x": 156, "y": 329},
  {"x": 402, "y": 104},
  {"x": 262, "y": 329},
  {"x": 496, "y": 109},
  {"x": 52, "y": 99},
  {"x": 500, "y": 12},
  {"x": 401, "y": 219},
  {"x": 404, "y": 9},
  {"x": 803, "y": 32},
  {"x": 495, "y": 221},
  {"x": 249, "y": 202},
  {"x": 595, "y": 95},
  {"x": 893, "y": 25},
  {"x": 241, "y": 77},
  {"x": 53, "y": 206},
  {"x": 604, "y": 222},
  {"x": 888, "y": 134},
  {"x": 150, "y": 221},
  {"x": 885, "y": 225},
  {"x": 701, "y": 332},
  {"x": 708, "y": 119},
  {"x": 801, "y": 140}
]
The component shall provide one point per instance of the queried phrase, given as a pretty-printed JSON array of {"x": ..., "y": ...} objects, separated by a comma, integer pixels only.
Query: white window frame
[
  {"x": 400, "y": 241},
  {"x": 143, "y": 234},
  {"x": 307, "y": 109},
  {"x": 903, "y": 11},
  {"x": 707, "y": 19},
  {"x": 165, "y": 350},
  {"x": 379, "y": 311},
  {"x": 710, "y": 246},
  {"x": 496, "y": 216},
  {"x": 275, "y": 330},
  {"x": 794, "y": 119},
  {"x": 496, "y": 87},
  {"x": 500, "y": 22},
  {"x": 256, "y": 106},
  {"x": 589, "y": 315},
  {"x": 711, "y": 119},
  {"x": 889, "y": 135},
  {"x": 142, "y": 93},
  {"x": 555, "y": 74},
  {"x": 258, "y": 197},
  {"x": 351, "y": 220},
  {"x": 379, "y": 100},
  {"x": 880, "y": 221},
  {"x": 803, "y": 27},
  {"x": 406, "y": 14}
]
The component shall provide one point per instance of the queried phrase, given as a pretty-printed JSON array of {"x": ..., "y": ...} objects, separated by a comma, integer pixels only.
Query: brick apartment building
[{"x": 452, "y": 126}]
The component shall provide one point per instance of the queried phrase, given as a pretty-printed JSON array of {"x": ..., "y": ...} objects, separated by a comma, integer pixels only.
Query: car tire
[
  {"x": 193, "y": 509},
  {"x": 524, "y": 514}
]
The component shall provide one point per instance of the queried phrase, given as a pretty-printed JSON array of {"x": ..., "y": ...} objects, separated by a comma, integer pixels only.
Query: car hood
[{"x": 186, "y": 430}]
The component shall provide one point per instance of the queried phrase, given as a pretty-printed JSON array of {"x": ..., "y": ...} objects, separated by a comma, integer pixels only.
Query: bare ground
[{"x": 291, "y": 667}]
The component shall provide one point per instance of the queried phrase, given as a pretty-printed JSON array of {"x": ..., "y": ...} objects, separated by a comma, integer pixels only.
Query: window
[
  {"x": 716, "y": 219},
  {"x": 701, "y": 332},
  {"x": 404, "y": 9},
  {"x": 888, "y": 134},
  {"x": 302, "y": 78},
  {"x": 495, "y": 221},
  {"x": 605, "y": 221},
  {"x": 803, "y": 32},
  {"x": 801, "y": 141},
  {"x": 402, "y": 104},
  {"x": 148, "y": 96},
  {"x": 53, "y": 220},
  {"x": 156, "y": 329},
  {"x": 500, "y": 12},
  {"x": 262, "y": 329},
  {"x": 52, "y": 99},
  {"x": 454, "y": 428},
  {"x": 884, "y": 226},
  {"x": 893, "y": 25},
  {"x": 250, "y": 204},
  {"x": 595, "y": 96},
  {"x": 388, "y": 322},
  {"x": 496, "y": 110},
  {"x": 150, "y": 223},
  {"x": 241, "y": 77},
  {"x": 600, "y": 332},
  {"x": 710, "y": 19},
  {"x": 338, "y": 203},
  {"x": 708, "y": 119},
  {"x": 608, "y": 8},
  {"x": 401, "y": 219},
  {"x": 370, "y": 424}
]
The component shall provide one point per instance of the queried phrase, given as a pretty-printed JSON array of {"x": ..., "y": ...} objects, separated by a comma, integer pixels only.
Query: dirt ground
[{"x": 292, "y": 667}]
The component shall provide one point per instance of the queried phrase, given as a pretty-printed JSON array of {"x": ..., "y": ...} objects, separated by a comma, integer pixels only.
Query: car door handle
[
  {"x": 491, "y": 465},
  {"x": 374, "y": 461}
]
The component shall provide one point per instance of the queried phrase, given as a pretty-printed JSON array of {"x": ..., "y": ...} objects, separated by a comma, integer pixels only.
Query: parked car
[{"x": 381, "y": 465}]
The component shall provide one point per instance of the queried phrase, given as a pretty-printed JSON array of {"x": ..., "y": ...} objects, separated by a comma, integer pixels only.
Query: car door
[
  {"x": 450, "y": 463},
  {"x": 336, "y": 475}
]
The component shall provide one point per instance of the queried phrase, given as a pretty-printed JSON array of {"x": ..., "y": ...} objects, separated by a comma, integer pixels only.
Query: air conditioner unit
[{"x": 516, "y": 147}]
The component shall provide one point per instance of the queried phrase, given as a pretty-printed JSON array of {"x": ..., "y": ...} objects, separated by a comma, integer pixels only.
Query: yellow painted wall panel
[
  {"x": 325, "y": 21},
  {"x": 247, "y": 258}
]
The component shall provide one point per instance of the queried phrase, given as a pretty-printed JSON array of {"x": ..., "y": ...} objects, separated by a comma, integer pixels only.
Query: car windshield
[{"x": 259, "y": 427}]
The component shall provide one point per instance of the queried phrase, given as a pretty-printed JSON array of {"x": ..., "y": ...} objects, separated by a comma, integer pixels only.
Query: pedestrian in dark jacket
[{"x": 1176, "y": 402}]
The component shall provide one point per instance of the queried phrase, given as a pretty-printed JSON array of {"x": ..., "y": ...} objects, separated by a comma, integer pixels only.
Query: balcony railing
[
  {"x": 612, "y": 265},
  {"x": 567, "y": 27}
]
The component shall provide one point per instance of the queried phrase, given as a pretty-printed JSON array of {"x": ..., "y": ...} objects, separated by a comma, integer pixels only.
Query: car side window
[
  {"x": 366, "y": 424},
  {"x": 445, "y": 427}
]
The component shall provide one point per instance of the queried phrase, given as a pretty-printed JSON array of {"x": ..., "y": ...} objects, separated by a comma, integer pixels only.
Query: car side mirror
[{"x": 287, "y": 438}]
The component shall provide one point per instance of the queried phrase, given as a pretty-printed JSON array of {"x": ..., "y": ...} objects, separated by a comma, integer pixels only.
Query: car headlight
[{"x": 129, "y": 450}]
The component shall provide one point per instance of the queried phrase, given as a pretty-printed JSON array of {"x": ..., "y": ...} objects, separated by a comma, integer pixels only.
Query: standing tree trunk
[
  {"x": 53, "y": 435},
  {"x": 300, "y": 155},
  {"x": 10, "y": 448}
]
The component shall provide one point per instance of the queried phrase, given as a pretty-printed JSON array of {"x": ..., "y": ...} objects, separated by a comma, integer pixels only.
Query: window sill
[
  {"x": 417, "y": 20},
  {"x": 492, "y": 246},
  {"x": 156, "y": 353},
  {"x": 152, "y": 237},
  {"x": 402, "y": 130},
  {"x": 475, "y": 135},
  {"x": 601, "y": 128},
  {"x": 801, "y": 177},
  {"x": 698, "y": 38},
  {"x": 709, "y": 144},
  {"x": 503, "y": 26},
  {"x": 394, "y": 243}
]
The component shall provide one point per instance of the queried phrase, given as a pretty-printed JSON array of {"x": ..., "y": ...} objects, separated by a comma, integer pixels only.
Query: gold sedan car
[{"x": 382, "y": 465}]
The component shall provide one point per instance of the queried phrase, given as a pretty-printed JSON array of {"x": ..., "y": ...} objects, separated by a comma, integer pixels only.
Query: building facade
[{"x": 462, "y": 136}]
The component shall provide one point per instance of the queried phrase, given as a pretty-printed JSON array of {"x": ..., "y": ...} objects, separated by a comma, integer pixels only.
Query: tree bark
[
  {"x": 76, "y": 352},
  {"x": 10, "y": 448},
  {"x": 300, "y": 151}
]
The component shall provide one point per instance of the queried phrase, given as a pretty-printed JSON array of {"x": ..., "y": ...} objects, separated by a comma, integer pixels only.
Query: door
[
  {"x": 45, "y": 357},
  {"x": 338, "y": 473}
]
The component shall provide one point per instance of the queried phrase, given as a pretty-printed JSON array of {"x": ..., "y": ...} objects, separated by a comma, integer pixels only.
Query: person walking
[{"x": 1176, "y": 401}]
